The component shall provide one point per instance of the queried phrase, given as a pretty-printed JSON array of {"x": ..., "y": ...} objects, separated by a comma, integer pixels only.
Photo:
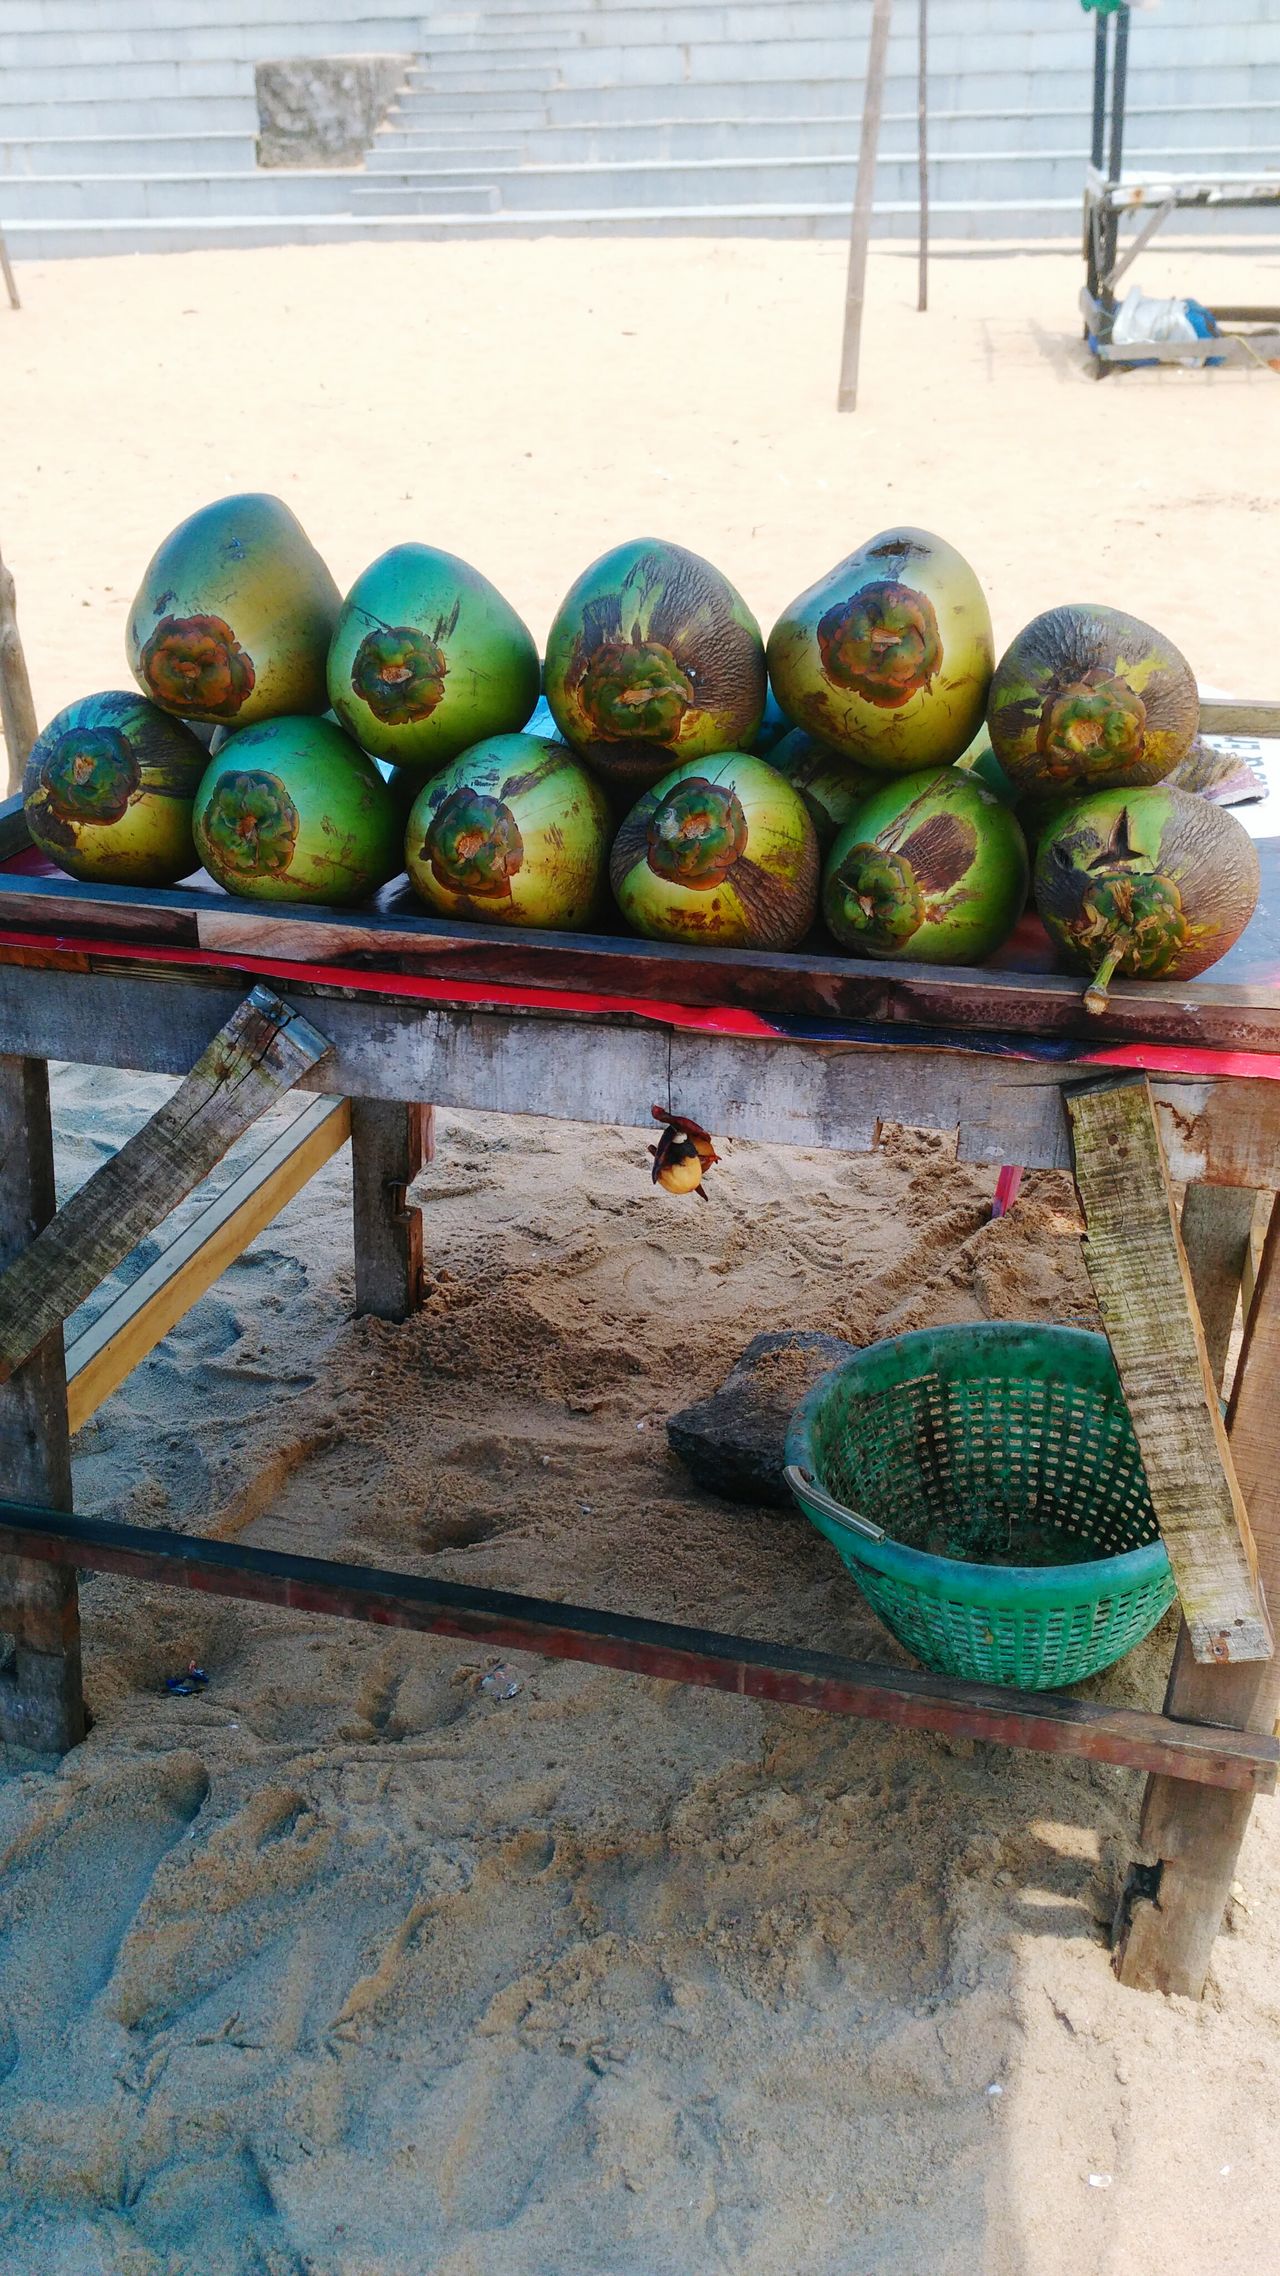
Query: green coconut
[
  {"x": 293, "y": 811},
  {"x": 109, "y": 789},
  {"x": 722, "y": 851},
  {"x": 932, "y": 869},
  {"x": 1089, "y": 699},
  {"x": 888, "y": 657},
  {"x": 1154, "y": 883},
  {"x": 428, "y": 658},
  {"x": 831, "y": 785},
  {"x": 234, "y": 616},
  {"x": 514, "y": 832},
  {"x": 653, "y": 658}
]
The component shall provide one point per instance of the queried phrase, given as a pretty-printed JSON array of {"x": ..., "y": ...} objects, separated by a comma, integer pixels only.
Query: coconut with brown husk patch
[
  {"x": 1090, "y": 699},
  {"x": 831, "y": 785},
  {"x": 514, "y": 832},
  {"x": 720, "y": 852},
  {"x": 109, "y": 790},
  {"x": 888, "y": 657},
  {"x": 932, "y": 869},
  {"x": 654, "y": 658},
  {"x": 1153, "y": 884}
]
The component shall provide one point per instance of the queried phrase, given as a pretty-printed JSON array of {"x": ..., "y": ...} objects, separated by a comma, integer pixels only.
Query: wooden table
[{"x": 811, "y": 1050}]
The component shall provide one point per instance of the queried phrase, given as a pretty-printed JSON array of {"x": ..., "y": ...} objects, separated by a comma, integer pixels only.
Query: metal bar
[
  {"x": 1155, "y": 220},
  {"x": 1115, "y": 161},
  {"x": 1119, "y": 88},
  {"x": 922, "y": 131},
  {"x": 1100, "y": 28},
  {"x": 1045, "y": 1722}
]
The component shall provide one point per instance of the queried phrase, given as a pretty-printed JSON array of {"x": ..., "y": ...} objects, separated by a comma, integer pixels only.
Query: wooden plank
[
  {"x": 1240, "y": 1012},
  {"x": 794, "y": 1093},
  {"x": 1175, "y": 1895},
  {"x": 17, "y": 709},
  {"x": 101, "y": 1356},
  {"x": 1217, "y": 1226},
  {"x": 1046, "y": 1722},
  {"x": 41, "y": 1703},
  {"x": 1141, "y": 1279},
  {"x": 863, "y": 200},
  {"x": 389, "y": 1144},
  {"x": 256, "y": 1055},
  {"x": 1242, "y": 717},
  {"x": 6, "y": 270}
]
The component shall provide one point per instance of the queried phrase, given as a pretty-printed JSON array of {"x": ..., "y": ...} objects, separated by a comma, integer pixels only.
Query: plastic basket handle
[{"x": 802, "y": 1484}]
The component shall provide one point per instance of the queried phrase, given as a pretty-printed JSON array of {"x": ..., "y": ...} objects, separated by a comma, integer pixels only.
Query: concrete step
[
  {"x": 129, "y": 154},
  {"x": 113, "y": 43},
  {"x": 959, "y": 178},
  {"x": 788, "y": 91},
  {"x": 1062, "y": 44},
  {"x": 1061, "y": 38},
  {"x": 1015, "y": 222},
  {"x": 160, "y": 197},
  {"x": 291, "y": 17},
  {"x": 156, "y": 82},
  {"x": 1255, "y": 130},
  {"x": 127, "y": 115}
]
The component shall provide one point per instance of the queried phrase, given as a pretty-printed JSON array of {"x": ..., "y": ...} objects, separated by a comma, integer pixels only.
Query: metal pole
[
  {"x": 922, "y": 129},
  {"x": 860, "y": 229},
  {"x": 1115, "y": 163},
  {"x": 1100, "y": 24}
]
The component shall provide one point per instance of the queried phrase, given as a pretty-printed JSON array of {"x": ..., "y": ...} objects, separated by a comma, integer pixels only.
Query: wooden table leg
[
  {"x": 1174, "y": 1899},
  {"x": 41, "y": 1703},
  {"x": 389, "y": 1144},
  {"x": 1217, "y": 1222}
]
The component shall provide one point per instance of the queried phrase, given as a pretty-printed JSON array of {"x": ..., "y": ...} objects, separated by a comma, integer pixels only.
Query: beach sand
[{"x": 360, "y": 1964}]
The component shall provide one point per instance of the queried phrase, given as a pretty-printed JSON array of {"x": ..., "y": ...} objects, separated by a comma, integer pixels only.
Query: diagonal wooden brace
[
  {"x": 1139, "y": 1271},
  {"x": 257, "y": 1056}
]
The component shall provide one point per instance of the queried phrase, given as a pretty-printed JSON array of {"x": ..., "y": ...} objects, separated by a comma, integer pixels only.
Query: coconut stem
[{"x": 1095, "y": 995}]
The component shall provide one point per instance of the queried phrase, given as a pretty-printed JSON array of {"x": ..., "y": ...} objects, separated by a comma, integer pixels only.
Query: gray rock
[
  {"x": 323, "y": 110},
  {"x": 733, "y": 1442}
]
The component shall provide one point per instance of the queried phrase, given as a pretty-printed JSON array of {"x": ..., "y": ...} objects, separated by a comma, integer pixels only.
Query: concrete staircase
[{"x": 121, "y": 132}]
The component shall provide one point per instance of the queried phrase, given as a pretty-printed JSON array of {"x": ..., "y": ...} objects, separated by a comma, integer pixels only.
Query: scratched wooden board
[
  {"x": 611, "y": 1069},
  {"x": 254, "y": 1056},
  {"x": 1236, "y": 1008},
  {"x": 1140, "y": 1276}
]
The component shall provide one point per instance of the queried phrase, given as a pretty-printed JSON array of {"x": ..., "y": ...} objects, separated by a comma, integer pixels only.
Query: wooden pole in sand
[
  {"x": 922, "y": 131},
  {"x": 860, "y": 229},
  {"x": 6, "y": 272},
  {"x": 17, "y": 711}
]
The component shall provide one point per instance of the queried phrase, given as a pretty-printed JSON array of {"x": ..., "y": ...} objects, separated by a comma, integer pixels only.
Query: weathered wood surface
[
  {"x": 1048, "y": 1722},
  {"x": 1217, "y": 1227},
  {"x": 1141, "y": 1279},
  {"x": 41, "y": 1703},
  {"x": 101, "y": 1356},
  {"x": 1191, "y": 1840},
  {"x": 257, "y": 1054},
  {"x": 1239, "y": 717},
  {"x": 17, "y": 709},
  {"x": 1237, "y": 1009},
  {"x": 863, "y": 201},
  {"x": 389, "y": 1144},
  {"x": 594, "y": 1070}
]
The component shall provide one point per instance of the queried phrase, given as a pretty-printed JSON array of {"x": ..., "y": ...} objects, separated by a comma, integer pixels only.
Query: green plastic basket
[{"x": 1021, "y": 1425}]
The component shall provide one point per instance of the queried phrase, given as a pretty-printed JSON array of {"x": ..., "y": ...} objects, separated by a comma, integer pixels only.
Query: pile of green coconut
[{"x": 868, "y": 776}]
